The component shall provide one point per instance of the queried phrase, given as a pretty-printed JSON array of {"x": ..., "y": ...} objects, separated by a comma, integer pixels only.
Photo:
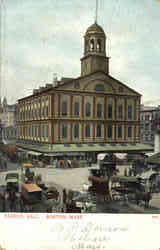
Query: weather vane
[{"x": 96, "y": 14}]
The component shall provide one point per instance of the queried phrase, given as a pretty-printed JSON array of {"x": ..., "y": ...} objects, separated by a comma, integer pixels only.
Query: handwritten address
[{"x": 86, "y": 235}]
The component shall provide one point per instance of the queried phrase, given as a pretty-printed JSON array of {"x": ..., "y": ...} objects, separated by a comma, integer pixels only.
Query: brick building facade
[{"x": 93, "y": 108}]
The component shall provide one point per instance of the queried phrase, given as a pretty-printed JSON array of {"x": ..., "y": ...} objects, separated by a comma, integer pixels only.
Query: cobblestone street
[{"x": 74, "y": 179}]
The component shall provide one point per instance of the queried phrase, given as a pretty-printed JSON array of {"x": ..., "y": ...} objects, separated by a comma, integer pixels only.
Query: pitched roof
[{"x": 86, "y": 76}]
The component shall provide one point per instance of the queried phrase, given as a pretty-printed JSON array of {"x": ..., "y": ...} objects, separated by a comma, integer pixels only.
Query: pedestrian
[
  {"x": 69, "y": 163},
  {"x": 12, "y": 201},
  {"x": 3, "y": 202},
  {"x": 64, "y": 199},
  {"x": 5, "y": 164},
  {"x": 130, "y": 172},
  {"x": 125, "y": 172}
]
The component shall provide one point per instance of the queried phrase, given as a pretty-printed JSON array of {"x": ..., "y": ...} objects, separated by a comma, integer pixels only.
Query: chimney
[
  {"x": 55, "y": 81},
  {"x": 35, "y": 91}
]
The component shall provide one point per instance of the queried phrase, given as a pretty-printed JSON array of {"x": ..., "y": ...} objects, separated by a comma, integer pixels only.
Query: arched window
[
  {"x": 99, "y": 45},
  {"x": 99, "y": 132},
  {"x": 88, "y": 109},
  {"x": 91, "y": 44},
  {"x": 64, "y": 108},
  {"x": 64, "y": 130},
  {"x": 76, "y": 131},
  {"x": 76, "y": 109},
  {"x": 87, "y": 130},
  {"x": 99, "y": 110}
]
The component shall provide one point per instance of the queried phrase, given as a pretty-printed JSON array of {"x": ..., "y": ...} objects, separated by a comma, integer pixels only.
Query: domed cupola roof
[{"x": 95, "y": 28}]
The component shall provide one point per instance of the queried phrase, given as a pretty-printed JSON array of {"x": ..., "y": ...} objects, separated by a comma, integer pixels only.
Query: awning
[
  {"x": 77, "y": 148},
  {"x": 65, "y": 154},
  {"x": 22, "y": 150},
  {"x": 33, "y": 153}
]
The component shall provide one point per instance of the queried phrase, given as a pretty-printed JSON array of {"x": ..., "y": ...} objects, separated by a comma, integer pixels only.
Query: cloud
[{"x": 43, "y": 37}]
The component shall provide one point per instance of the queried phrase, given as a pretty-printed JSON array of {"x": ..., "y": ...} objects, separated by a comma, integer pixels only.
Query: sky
[{"x": 45, "y": 37}]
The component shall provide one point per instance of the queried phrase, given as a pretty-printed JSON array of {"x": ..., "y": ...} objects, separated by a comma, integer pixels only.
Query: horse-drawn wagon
[{"x": 124, "y": 187}]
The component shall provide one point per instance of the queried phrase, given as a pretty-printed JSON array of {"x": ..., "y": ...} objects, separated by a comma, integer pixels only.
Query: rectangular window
[
  {"x": 99, "y": 110},
  {"x": 129, "y": 131},
  {"x": 42, "y": 130},
  {"x": 120, "y": 111},
  {"x": 35, "y": 133},
  {"x": 130, "y": 112},
  {"x": 39, "y": 130},
  {"x": 119, "y": 131},
  {"x": 87, "y": 130},
  {"x": 76, "y": 109},
  {"x": 47, "y": 113},
  {"x": 76, "y": 131},
  {"x": 64, "y": 108},
  {"x": 33, "y": 130},
  {"x": 88, "y": 109},
  {"x": 47, "y": 131},
  {"x": 99, "y": 132},
  {"x": 110, "y": 111},
  {"x": 110, "y": 131},
  {"x": 29, "y": 131},
  {"x": 64, "y": 130}
]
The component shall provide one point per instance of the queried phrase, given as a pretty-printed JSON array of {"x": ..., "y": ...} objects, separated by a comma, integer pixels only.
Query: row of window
[
  {"x": 120, "y": 110},
  {"x": 65, "y": 131},
  {"x": 37, "y": 130},
  {"x": 42, "y": 130},
  {"x": 34, "y": 113},
  {"x": 43, "y": 111}
]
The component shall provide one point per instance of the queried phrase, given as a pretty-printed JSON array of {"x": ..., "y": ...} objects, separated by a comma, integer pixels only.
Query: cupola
[{"x": 94, "y": 58}]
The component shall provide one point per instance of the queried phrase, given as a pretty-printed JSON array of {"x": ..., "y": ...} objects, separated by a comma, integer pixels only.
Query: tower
[{"x": 94, "y": 58}]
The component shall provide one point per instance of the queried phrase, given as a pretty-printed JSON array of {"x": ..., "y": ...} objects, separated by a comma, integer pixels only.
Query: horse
[{"x": 143, "y": 196}]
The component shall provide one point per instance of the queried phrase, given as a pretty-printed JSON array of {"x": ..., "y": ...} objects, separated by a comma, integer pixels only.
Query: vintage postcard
[{"x": 79, "y": 124}]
